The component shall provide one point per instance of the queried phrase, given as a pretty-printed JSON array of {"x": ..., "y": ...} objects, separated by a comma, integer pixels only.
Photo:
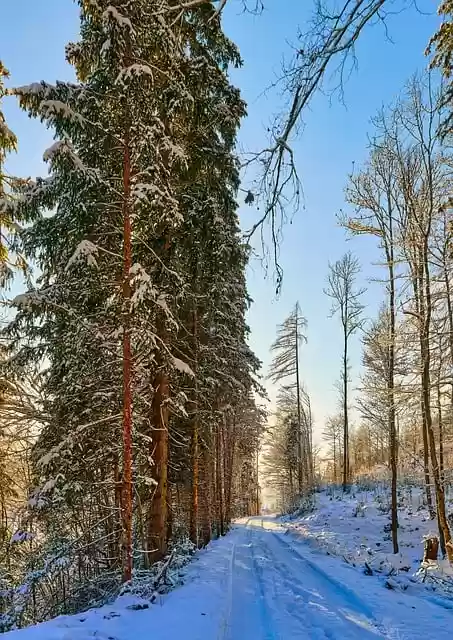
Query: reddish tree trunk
[{"x": 226, "y": 444}]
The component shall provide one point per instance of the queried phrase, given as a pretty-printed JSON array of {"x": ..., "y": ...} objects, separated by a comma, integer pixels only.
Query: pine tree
[
  {"x": 441, "y": 48},
  {"x": 281, "y": 460},
  {"x": 114, "y": 166},
  {"x": 10, "y": 258},
  {"x": 285, "y": 364},
  {"x": 142, "y": 188},
  {"x": 213, "y": 339}
]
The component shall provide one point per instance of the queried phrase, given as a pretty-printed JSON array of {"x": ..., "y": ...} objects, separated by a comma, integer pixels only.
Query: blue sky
[{"x": 33, "y": 38}]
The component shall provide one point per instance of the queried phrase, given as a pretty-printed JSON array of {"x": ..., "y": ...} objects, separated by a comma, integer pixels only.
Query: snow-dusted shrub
[
  {"x": 359, "y": 510},
  {"x": 22, "y": 596},
  {"x": 366, "y": 483},
  {"x": 437, "y": 576},
  {"x": 57, "y": 582},
  {"x": 164, "y": 575},
  {"x": 382, "y": 503},
  {"x": 304, "y": 505}
]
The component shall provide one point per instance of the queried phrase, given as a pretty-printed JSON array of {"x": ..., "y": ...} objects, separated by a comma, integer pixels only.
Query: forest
[{"x": 135, "y": 420}]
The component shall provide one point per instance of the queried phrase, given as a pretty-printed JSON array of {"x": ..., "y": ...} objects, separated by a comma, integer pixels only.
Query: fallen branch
[{"x": 163, "y": 572}]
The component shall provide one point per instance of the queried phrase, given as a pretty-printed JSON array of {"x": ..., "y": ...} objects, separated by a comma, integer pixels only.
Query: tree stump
[{"x": 431, "y": 549}]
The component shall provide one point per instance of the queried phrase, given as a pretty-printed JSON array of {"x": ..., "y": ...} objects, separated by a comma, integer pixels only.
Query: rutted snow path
[
  {"x": 259, "y": 584},
  {"x": 276, "y": 593}
]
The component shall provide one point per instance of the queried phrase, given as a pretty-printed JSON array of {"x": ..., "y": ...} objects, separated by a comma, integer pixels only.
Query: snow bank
[
  {"x": 356, "y": 527},
  {"x": 196, "y": 607}
]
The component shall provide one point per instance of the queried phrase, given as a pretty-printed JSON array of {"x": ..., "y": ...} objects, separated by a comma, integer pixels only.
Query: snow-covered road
[
  {"x": 259, "y": 584},
  {"x": 275, "y": 592}
]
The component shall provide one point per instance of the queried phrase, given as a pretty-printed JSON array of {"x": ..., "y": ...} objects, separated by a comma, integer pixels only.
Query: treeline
[
  {"x": 401, "y": 197},
  {"x": 128, "y": 411}
]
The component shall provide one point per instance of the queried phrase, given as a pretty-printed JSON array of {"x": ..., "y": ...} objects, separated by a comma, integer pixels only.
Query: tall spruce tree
[
  {"x": 213, "y": 334},
  {"x": 10, "y": 258},
  {"x": 137, "y": 356},
  {"x": 105, "y": 255},
  {"x": 285, "y": 364},
  {"x": 441, "y": 48}
]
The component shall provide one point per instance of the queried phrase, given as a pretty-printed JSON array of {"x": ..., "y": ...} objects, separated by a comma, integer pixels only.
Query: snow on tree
[
  {"x": 10, "y": 258},
  {"x": 138, "y": 316}
]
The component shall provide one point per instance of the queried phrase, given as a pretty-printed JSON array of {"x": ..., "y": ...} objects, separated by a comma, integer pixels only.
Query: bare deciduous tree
[
  {"x": 372, "y": 193},
  {"x": 346, "y": 302}
]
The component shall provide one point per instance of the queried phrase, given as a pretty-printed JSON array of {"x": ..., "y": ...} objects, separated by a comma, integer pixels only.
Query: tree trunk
[
  {"x": 206, "y": 497},
  {"x": 345, "y": 413},
  {"x": 258, "y": 505},
  {"x": 417, "y": 281},
  {"x": 127, "y": 371},
  {"x": 426, "y": 382},
  {"x": 391, "y": 397},
  {"x": 311, "y": 470},
  {"x": 228, "y": 441},
  {"x": 441, "y": 432},
  {"x": 118, "y": 514},
  {"x": 446, "y": 270},
  {"x": 193, "y": 527},
  {"x": 158, "y": 511},
  {"x": 170, "y": 514},
  {"x": 334, "y": 460},
  {"x": 157, "y": 529},
  {"x": 299, "y": 426},
  {"x": 219, "y": 482},
  {"x": 429, "y": 499}
]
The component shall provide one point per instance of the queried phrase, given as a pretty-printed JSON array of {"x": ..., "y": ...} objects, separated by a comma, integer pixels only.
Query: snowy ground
[
  {"x": 262, "y": 583},
  {"x": 356, "y": 527}
]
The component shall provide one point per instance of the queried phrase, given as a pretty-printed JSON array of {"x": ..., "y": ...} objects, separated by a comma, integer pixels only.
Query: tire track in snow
[
  {"x": 302, "y": 605},
  {"x": 225, "y": 625},
  {"x": 338, "y": 587},
  {"x": 266, "y": 616},
  {"x": 275, "y": 593},
  {"x": 296, "y": 589},
  {"x": 293, "y": 599},
  {"x": 287, "y": 605},
  {"x": 341, "y": 591}
]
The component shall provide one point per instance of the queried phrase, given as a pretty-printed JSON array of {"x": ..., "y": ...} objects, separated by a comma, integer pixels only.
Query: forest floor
[
  {"x": 266, "y": 581},
  {"x": 356, "y": 527}
]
